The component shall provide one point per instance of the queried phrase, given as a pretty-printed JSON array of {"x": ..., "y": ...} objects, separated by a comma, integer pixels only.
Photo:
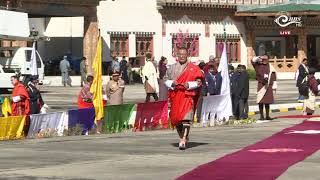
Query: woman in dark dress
[{"x": 163, "y": 90}]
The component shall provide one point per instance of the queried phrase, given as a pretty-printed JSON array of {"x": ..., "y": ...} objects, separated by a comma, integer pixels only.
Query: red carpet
[
  {"x": 297, "y": 117},
  {"x": 265, "y": 160}
]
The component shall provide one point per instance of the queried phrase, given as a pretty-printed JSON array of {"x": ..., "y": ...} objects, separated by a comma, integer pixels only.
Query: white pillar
[{"x": 132, "y": 45}]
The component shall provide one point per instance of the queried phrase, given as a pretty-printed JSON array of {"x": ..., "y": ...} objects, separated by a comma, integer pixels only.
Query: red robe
[
  {"x": 183, "y": 100},
  {"x": 23, "y": 106}
]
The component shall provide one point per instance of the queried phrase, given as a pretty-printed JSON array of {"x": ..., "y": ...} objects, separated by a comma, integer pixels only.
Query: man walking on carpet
[
  {"x": 266, "y": 77},
  {"x": 183, "y": 80}
]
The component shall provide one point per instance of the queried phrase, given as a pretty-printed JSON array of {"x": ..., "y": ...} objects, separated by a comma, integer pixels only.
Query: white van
[{"x": 17, "y": 61}]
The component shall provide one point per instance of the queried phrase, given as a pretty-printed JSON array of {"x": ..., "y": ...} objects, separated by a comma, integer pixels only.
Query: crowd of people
[{"x": 183, "y": 84}]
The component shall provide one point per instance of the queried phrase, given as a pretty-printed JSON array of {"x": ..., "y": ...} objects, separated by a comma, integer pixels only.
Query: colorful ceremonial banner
[
  {"x": 6, "y": 107},
  {"x": 48, "y": 125},
  {"x": 151, "y": 115},
  {"x": 12, "y": 127},
  {"x": 116, "y": 118},
  {"x": 96, "y": 87},
  {"x": 83, "y": 117}
]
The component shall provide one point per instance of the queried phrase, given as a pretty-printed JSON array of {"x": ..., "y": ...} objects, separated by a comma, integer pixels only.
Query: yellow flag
[
  {"x": 6, "y": 107},
  {"x": 96, "y": 87},
  {"x": 11, "y": 127}
]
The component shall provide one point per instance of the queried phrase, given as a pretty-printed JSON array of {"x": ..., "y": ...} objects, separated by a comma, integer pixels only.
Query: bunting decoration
[
  {"x": 12, "y": 127},
  {"x": 83, "y": 117},
  {"x": 6, "y": 107},
  {"x": 48, "y": 125},
  {"x": 116, "y": 118},
  {"x": 151, "y": 115}
]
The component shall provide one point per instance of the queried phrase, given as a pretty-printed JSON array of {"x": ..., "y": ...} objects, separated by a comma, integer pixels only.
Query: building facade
[{"x": 132, "y": 28}]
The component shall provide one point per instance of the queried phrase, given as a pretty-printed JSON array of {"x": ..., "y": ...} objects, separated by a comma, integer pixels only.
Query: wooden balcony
[{"x": 285, "y": 64}]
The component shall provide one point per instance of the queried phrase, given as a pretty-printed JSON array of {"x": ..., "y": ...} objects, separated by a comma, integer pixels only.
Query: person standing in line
[
  {"x": 36, "y": 101},
  {"x": 83, "y": 71},
  {"x": 115, "y": 89},
  {"x": 150, "y": 79},
  {"x": 124, "y": 69},
  {"x": 203, "y": 92},
  {"x": 234, "y": 83},
  {"x": 130, "y": 70},
  {"x": 183, "y": 80},
  {"x": 85, "y": 97},
  {"x": 213, "y": 81},
  {"x": 303, "y": 72},
  {"x": 20, "y": 98},
  {"x": 309, "y": 101},
  {"x": 266, "y": 77},
  {"x": 115, "y": 65},
  {"x": 163, "y": 90},
  {"x": 243, "y": 92},
  {"x": 65, "y": 68}
]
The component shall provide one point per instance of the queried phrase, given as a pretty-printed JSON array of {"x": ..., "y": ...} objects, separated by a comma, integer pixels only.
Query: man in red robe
[
  {"x": 20, "y": 98},
  {"x": 85, "y": 96},
  {"x": 183, "y": 80},
  {"x": 266, "y": 77}
]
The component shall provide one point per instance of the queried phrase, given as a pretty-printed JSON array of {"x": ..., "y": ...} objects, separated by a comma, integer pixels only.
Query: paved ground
[
  {"x": 146, "y": 155},
  {"x": 59, "y": 98}
]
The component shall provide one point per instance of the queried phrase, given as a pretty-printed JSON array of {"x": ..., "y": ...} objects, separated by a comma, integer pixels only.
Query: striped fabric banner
[
  {"x": 151, "y": 115},
  {"x": 116, "y": 118}
]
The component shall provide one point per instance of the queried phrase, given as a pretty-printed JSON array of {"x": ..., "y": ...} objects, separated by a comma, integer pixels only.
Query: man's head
[
  {"x": 34, "y": 80},
  {"x": 212, "y": 58},
  {"x": 183, "y": 55},
  {"x": 116, "y": 76},
  {"x": 148, "y": 56},
  {"x": 265, "y": 59},
  {"x": 239, "y": 68},
  {"x": 305, "y": 61},
  {"x": 231, "y": 68},
  {"x": 65, "y": 57},
  {"x": 84, "y": 59},
  {"x": 212, "y": 69},
  {"x": 123, "y": 57},
  {"x": 14, "y": 80},
  {"x": 90, "y": 79}
]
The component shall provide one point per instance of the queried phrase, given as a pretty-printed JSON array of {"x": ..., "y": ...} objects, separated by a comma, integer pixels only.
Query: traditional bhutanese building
[{"x": 132, "y": 28}]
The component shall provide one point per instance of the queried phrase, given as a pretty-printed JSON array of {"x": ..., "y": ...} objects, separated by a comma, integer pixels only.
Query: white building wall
[
  {"x": 66, "y": 35},
  {"x": 131, "y": 16}
]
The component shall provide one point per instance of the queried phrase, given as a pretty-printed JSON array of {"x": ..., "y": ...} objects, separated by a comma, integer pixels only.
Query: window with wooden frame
[
  {"x": 233, "y": 44},
  {"x": 191, "y": 42},
  {"x": 144, "y": 44},
  {"x": 119, "y": 45}
]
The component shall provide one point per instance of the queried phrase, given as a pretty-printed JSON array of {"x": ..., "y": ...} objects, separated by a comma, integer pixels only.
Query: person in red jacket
[
  {"x": 183, "y": 80},
  {"x": 20, "y": 98}
]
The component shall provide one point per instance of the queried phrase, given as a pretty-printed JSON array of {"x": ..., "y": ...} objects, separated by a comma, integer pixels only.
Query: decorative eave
[
  {"x": 193, "y": 4},
  {"x": 190, "y": 35},
  {"x": 296, "y": 13},
  {"x": 228, "y": 36},
  {"x": 126, "y": 34}
]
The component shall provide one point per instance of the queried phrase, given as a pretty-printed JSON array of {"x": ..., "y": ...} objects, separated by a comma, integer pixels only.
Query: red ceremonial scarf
[{"x": 182, "y": 100}]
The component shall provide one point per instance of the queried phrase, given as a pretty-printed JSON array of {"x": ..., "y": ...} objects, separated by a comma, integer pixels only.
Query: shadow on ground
[{"x": 190, "y": 144}]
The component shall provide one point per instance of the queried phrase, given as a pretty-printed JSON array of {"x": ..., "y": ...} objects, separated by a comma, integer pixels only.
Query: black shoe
[
  {"x": 269, "y": 118},
  {"x": 261, "y": 118}
]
